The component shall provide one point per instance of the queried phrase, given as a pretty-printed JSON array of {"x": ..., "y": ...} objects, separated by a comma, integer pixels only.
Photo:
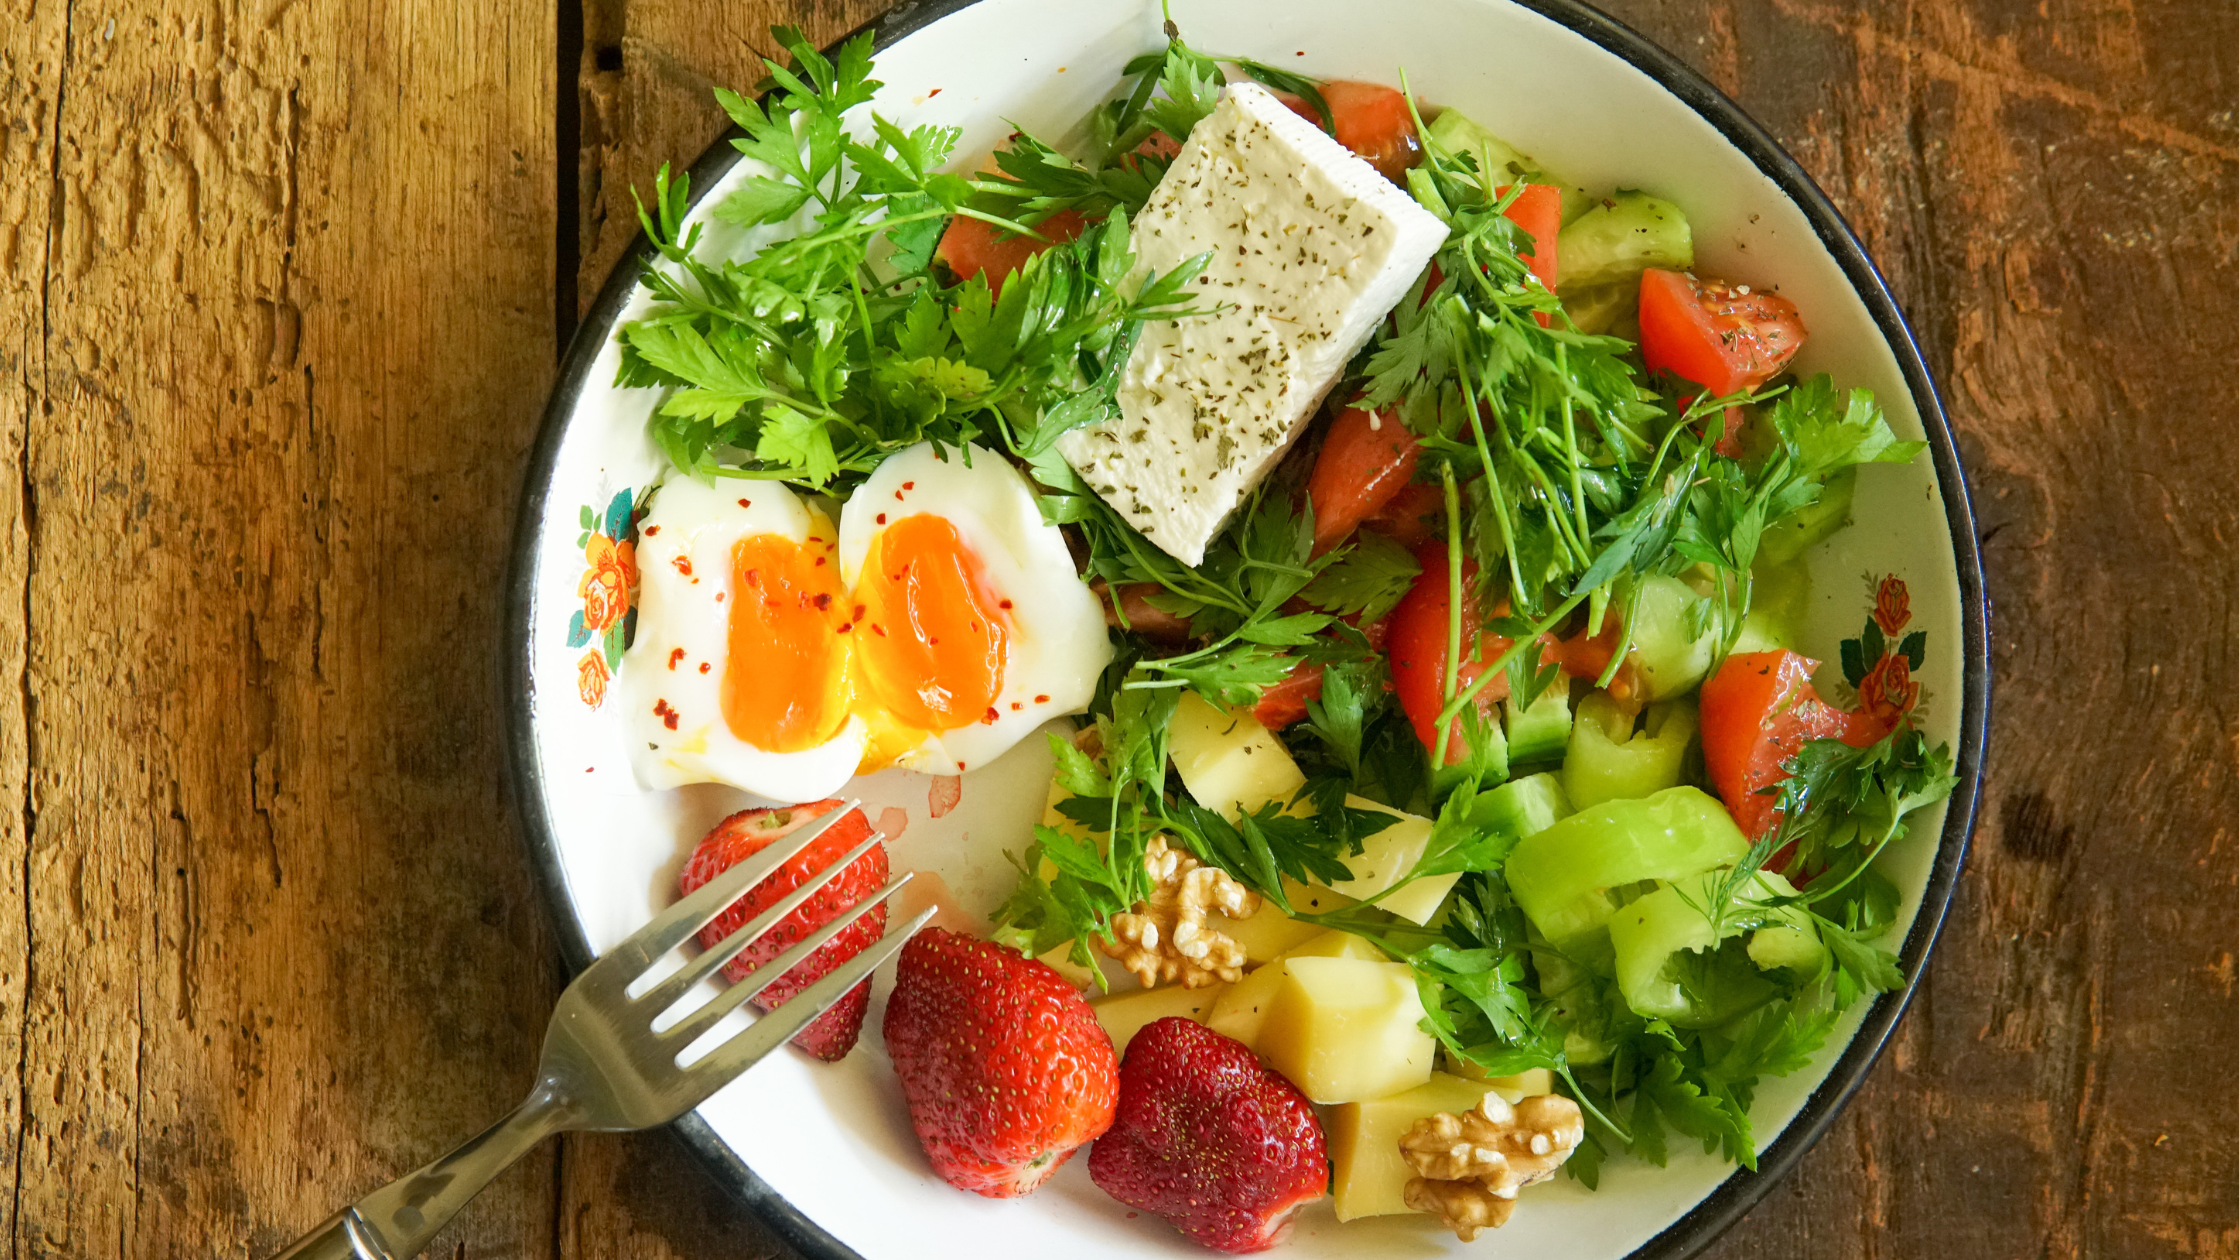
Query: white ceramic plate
[{"x": 825, "y": 1153}]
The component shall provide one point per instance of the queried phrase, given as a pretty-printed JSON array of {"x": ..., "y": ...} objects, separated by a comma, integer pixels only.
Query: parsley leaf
[{"x": 1368, "y": 580}]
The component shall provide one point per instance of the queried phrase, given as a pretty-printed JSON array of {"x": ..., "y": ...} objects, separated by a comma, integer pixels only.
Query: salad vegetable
[{"x": 1525, "y": 595}]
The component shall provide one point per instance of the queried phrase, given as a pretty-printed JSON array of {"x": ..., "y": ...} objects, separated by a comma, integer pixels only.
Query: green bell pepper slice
[
  {"x": 1672, "y": 642},
  {"x": 1608, "y": 760},
  {"x": 1562, "y": 876},
  {"x": 1668, "y": 955}
]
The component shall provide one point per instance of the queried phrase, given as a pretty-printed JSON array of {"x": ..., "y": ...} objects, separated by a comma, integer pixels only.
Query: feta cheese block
[{"x": 1311, "y": 247}]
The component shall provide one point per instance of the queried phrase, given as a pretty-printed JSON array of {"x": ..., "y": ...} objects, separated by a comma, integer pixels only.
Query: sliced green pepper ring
[
  {"x": 1561, "y": 876},
  {"x": 1653, "y": 937},
  {"x": 1608, "y": 760}
]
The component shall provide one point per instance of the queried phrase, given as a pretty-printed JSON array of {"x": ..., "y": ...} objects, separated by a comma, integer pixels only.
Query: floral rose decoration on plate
[{"x": 609, "y": 590}]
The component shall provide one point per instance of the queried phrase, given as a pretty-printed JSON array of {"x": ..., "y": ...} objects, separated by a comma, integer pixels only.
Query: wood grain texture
[
  {"x": 270, "y": 382},
  {"x": 277, "y": 294}
]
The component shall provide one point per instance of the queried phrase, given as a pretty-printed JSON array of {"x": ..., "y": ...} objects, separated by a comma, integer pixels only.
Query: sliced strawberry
[
  {"x": 1211, "y": 1139},
  {"x": 1004, "y": 1065},
  {"x": 831, "y": 1035}
]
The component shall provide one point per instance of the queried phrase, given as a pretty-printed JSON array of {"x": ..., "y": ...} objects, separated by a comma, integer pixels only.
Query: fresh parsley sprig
[{"x": 836, "y": 342}]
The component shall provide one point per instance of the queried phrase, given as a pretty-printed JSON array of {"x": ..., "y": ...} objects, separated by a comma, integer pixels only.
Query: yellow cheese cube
[
  {"x": 1386, "y": 858},
  {"x": 1123, "y": 1015},
  {"x": 1239, "y": 1012},
  {"x": 1368, "y": 1177},
  {"x": 1346, "y": 1029},
  {"x": 1526, "y": 1084},
  {"x": 1242, "y": 1008},
  {"x": 1266, "y": 934},
  {"x": 1231, "y": 764}
]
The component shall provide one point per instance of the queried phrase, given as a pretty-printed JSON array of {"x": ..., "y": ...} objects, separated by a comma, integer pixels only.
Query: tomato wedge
[
  {"x": 1370, "y": 119},
  {"x": 1758, "y": 711},
  {"x": 970, "y": 247},
  {"x": 1586, "y": 656},
  {"x": 1366, "y": 459},
  {"x": 1418, "y": 651},
  {"x": 1538, "y": 210},
  {"x": 1408, "y": 519},
  {"x": 1286, "y": 702},
  {"x": 1720, "y": 336}
]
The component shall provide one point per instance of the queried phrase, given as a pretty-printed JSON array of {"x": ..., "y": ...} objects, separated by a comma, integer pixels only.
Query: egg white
[
  {"x": 684, "y": 619},
  {"x": 1057, "y": 646}
]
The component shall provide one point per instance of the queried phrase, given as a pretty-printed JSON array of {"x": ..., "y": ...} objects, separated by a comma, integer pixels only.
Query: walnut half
[
  {"x": 1470, "y": 1165},
  {"x": 1166, "y": 939}
]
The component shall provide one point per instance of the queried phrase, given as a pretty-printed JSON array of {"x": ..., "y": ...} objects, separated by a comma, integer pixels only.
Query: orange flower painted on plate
[
  {"x": 591, "y": 679},
  {"x": 1888, "y": 691},
  {"x": 1893, "y": 605},
  {"x": 607, "y": 581}
]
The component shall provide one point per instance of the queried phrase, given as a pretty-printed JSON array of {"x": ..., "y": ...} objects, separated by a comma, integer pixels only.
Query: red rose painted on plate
[
  {"x": 1892, "y": 605},
  {"x": 1888, "y": 691},
  {"x": 611, "y": 575},
  {"x": 608, "y": 618},
  {"x": 1880, "y": 662},
  {"x": 591, "y": 679}
]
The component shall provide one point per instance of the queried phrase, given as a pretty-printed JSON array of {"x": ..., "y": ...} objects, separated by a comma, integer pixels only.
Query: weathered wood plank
[
  {"x": 644, "y": 97},
  {"x": 297, "y": 331},
  {"x": 31, "y": 53}
]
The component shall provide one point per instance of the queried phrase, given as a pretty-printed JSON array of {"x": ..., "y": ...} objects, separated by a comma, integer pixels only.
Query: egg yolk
[
  {"x": 787, "y": 616},
  {"x": 931, "y": 637}
]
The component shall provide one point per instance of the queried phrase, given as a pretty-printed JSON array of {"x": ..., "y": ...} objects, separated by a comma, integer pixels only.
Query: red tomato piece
[
  {"x": 1758, "y": 711},
  {"x": 1408, "y": 517},
  {"x": 1539, "y": 210},
  {"x": 1365, "y": 460},
  {"x": 970, "y": 247},
  {"x": 1143, "y": 617},
  {"x": 1370, "y": 119},
  {"x": 1160, "y": 145},
  {"x": 1286, "y": 702},
  {"x": 1418, "y": 651},
  {"x": 1720, "y": 336},
  {"x": 1586, "y": 656}
]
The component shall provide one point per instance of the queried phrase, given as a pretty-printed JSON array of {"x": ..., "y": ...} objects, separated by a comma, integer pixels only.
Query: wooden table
[{"x": 282, "y": 285}]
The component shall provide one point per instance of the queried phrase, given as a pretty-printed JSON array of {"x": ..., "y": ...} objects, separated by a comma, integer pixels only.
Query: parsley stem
[
  {"x": 1451, "y": 673},
  {"x": 1501, "y": 664},
  {"x": 1500, "y": 501}
]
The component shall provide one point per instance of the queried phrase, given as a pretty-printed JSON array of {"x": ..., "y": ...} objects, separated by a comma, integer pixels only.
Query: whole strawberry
[
  {"x": 1221, "y": 1146},
  {"x": 1004, "y": 1065},
  {"x": 831, "y": 1035}
]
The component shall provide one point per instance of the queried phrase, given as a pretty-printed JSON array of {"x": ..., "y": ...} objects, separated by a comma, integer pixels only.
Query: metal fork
[{"x": 606, "y": 1068}]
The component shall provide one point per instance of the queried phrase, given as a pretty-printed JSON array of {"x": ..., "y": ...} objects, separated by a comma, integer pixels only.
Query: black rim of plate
[{"x": 1733, "y": 1196}]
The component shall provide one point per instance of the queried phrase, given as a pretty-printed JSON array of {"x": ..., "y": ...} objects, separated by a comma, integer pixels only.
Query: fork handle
[{"x": 397, "y": 1221}]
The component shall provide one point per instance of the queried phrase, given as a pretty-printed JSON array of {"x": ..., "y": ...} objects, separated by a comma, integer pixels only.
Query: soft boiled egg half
[{"x": 937, "y": 625}]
